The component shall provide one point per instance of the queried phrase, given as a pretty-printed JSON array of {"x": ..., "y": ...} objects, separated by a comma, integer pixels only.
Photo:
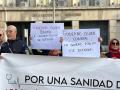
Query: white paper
[
  {"x": 81, "y": 43},
  {"x": 46, "y": 35}
]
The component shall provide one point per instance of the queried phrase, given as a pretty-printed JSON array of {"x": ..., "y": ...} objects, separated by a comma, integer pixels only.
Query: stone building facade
[{"x": 107, "y": 18}]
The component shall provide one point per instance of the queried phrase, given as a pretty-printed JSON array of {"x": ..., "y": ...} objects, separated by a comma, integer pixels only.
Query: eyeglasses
[{"x": 115, "y": 43}]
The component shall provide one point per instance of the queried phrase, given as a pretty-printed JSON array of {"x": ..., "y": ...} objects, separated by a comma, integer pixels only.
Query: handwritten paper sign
[
  {"x": 46, "y": 35},
  {"x": 81, "y": 43}
]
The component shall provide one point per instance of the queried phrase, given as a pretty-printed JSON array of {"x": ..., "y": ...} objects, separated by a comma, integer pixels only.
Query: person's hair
[
  {"x": 13, "y": 27},
  {"x": 115, "y": 40},
  {"x": 4, "y": 35}
]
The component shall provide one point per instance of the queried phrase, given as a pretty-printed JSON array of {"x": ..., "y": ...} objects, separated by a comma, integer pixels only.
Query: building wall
[
  {"x": 61, "y": 14},
  {"x": 70, "y": 2},
  {"x": 70, "y": 14},
  {"x": 115, "y": 2},
  {"x": 75, "y": 15}
]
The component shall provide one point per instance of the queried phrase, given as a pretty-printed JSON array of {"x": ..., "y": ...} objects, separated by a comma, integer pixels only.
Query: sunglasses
[
  {"x": 0, "y": 35},
  {"x": 115, "y": 43}
]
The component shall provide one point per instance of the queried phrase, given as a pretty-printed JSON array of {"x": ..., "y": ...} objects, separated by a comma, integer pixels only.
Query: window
[
  {"x": 83, "y": 2},
  {"x": 22, "y": 2},
  {"x": 61, "y": 2},
  {"x": 91, "y": 2},
  {"x": 97, "y": 3}
]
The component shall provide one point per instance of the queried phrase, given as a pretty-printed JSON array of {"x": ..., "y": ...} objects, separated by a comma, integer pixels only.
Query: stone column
[
  {"x": 75, "y": 24},
  {"x": 114, "y": 29},
  {"x": 3, "y": 19}
]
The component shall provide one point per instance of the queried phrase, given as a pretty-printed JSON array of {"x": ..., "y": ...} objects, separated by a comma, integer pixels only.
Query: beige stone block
[
  {"x": 75, "y": 24},
  {"x": 115, "y": 35}
]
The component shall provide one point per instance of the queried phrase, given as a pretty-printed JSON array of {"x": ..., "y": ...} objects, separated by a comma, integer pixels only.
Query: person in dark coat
[{"x": 13, "y": 44}]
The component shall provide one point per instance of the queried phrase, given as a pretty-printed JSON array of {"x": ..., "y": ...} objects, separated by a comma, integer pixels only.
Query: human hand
[
  {"x": 54, "y": 52},
  {"x": 100, "y": 39}
]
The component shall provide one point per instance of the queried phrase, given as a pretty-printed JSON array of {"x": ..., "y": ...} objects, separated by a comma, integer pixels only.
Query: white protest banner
[
  {"x": 46, "y": 35},
  {"x": 81, "y": 43},
  {"x": 28, "y": 72}
]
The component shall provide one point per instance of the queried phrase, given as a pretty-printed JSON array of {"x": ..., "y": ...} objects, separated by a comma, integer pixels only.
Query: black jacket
[
  {"x": 108, "y": 55},
  {"x": 13, "y": 46}
]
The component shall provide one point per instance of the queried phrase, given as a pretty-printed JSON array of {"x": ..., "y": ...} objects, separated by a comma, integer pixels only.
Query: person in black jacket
[{"x": 13, "y": 44}]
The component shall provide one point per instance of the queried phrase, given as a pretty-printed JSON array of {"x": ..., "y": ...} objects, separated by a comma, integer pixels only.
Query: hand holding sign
[{"x": 46, "y": 35}]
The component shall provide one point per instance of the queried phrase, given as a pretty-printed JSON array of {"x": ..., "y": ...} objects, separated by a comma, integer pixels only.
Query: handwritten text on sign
[
  {"x": 81, "y": 43},
  {"x": 46, "y": 35}
]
